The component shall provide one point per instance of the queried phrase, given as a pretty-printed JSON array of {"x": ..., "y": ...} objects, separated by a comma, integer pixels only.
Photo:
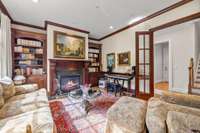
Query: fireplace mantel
[
  {"x": 68, "y": 60},
  {"x": 66, "y": 64}
]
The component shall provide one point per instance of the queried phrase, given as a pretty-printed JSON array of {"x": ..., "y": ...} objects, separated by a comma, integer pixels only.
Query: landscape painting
[
  {"x": 124, "y": 59},
  {"x": 111, "y": 60},
  {"x": 68, "y": 46}
]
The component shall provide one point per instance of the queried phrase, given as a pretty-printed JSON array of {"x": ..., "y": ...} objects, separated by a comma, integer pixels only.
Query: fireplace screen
[{"x": 69, "y": 83}]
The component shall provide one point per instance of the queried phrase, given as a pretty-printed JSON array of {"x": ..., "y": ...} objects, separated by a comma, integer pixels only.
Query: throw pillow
[
  {"x": 8, "y": 87},
  {"x": 1, "y": 96}
]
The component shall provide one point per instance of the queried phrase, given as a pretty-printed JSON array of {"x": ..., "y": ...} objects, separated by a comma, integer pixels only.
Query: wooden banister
[
  {"x": 191, "y": 75},
  {"x": 28, "y": 129}
]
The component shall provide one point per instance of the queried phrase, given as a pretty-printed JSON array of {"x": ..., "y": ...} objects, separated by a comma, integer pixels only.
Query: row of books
[
  {"x": 29, "y": 71},
  {"x": 93, "y": 50},
  {"x": 93, "y": 69},
  {"x": 26, "y": 42},
  {"x": 92, "y": 59},
  {"x": 26, "y": 56},
  {"x": 95, "y": 64},
  {"x": 28, "y": 50},
  {"x": 90, "y": 55},
  {"x": 30, "y": 62}
]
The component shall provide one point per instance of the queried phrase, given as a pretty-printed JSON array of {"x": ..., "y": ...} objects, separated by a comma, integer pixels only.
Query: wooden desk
[{"x": 123, "y": 78}]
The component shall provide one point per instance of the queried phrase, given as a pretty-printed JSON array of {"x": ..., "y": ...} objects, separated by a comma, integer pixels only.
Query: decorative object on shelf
[
  {"x": 111, "y": 60},
  {"x": 124, "y": 59},
  {"x": 19, "y": 79},
  {"x": 68, "y": 46}
]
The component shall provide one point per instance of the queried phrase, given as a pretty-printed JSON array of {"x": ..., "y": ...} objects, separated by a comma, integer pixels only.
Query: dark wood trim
[
  {"x": 28, "y": 25},
  {"x": 64, "y": 26},
  {"x": 176, "y": 5},
  {"x": 117, "y": 73},
  {"x": 4, "y": 10},
  {"x": 176, "y": 22},
  {"x": 94, "y": 39},
  {"x": 67, "y": 60},
  {"x": 144, "y": 95},
  {"x": 28, "y": 31}
]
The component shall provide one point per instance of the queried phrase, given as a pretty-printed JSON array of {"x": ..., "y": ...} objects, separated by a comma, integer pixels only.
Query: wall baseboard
[{"x": 180, "y": 90}]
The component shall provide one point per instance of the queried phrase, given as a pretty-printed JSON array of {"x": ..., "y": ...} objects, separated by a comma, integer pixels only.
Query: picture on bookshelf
[
  {"x": 124, "y": 59},
  {"x": 68, "y": 46},
  {"x": 111, "y": 60}
]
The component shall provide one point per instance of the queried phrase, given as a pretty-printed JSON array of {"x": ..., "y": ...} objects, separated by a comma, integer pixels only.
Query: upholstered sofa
[
  {"x": 28, "y": 105},
  {"x": 161, "y": 109},
  {"x": 167, "y": 113}
]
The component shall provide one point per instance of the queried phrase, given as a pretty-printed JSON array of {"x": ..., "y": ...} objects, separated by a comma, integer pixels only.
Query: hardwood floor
[{"x": 162, "y": 86}]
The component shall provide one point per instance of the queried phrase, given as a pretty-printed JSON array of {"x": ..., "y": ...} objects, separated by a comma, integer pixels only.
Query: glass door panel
[{"x": 144, "y": 65}]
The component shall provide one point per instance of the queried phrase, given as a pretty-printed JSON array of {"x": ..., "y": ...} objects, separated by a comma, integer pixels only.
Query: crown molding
[
  {"x": 4, "y": 10},
  {"x": 93, "y": 39},
  {"x": 158, "y": 13},
  {"x": 64, "y": 26},
  {"x": 176, "y": 22},
  {"x": 28, "y": 25}
]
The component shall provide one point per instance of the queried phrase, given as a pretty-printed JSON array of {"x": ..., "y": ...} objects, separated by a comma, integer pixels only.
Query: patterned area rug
[{"x": 70, "y": 117}]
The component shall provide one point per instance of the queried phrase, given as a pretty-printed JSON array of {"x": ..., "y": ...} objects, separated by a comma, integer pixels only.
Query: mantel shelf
[{"x": 66, "y": 60}]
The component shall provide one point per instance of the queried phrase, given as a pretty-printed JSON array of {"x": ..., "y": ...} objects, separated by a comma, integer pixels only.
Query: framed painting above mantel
[{"x": 68, "y": 46}]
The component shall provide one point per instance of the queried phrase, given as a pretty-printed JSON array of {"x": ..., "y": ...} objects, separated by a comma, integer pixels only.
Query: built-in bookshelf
[
  {"x": 29, "y": 53},
  {"x": 94, "y": 56}
]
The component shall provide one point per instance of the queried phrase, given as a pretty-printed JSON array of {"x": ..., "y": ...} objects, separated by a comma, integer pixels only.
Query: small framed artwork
[
  {"x": 111, "y": 60},
  {"x": 68, "y": 46},
  {"x": 124, "y": 59}
]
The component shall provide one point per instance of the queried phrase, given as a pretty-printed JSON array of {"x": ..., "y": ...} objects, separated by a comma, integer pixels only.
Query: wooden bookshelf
[
  {"x": 29, "y": 54},
  {"x": 94, "y": 56},
  {"x": 95, "y": 67}
]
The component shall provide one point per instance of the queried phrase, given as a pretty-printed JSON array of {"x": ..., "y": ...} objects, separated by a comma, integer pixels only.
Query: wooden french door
[{"x": 144, "y": 80}]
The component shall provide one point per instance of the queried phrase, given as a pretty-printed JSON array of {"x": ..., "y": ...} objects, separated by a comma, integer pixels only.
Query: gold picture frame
[
  {"x": 111, "y": 60},
  {"x": 124, "y": 58},
  {"x": 68, "y": 46}
]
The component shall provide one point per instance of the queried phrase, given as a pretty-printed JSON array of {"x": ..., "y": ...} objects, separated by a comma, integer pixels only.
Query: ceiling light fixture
[
  {"x": 111, "y": 27},
  {"x": 35, "y": 1},
  {"x": 135, "y": 19}
]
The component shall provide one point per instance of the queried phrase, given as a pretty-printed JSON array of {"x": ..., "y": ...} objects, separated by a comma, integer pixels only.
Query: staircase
[{"x": 194, "y": 78}]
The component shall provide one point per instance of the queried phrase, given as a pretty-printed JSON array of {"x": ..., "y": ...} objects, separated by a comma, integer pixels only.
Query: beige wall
[
  {"x": 181, "y": 40},
  {"x": 125, "y": 40}
]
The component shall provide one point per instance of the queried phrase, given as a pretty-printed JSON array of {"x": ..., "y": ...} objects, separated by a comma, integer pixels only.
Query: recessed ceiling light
[
  {"x": 111, "y": 27},
  {"x": 35, "y": 1},
  {"x": 135, "y": 19}
]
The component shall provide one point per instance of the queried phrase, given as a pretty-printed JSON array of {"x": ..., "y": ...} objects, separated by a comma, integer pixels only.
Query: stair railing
[
  {"x": 191, "y": 75},
  {"x": 28, "y": 129}
]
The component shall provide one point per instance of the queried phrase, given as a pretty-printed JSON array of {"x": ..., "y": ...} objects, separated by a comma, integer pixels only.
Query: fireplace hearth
[{"x": 67, "y": 75}]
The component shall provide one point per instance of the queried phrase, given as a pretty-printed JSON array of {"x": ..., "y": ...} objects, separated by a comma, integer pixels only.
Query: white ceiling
[{"x": 95, "y": 16}]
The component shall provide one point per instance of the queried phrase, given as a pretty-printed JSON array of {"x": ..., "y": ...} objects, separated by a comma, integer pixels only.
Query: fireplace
[
  {"x": 68, "y": 79},
  {"x": 67, "y": 75},
  {"x": 69, "y": 83}
]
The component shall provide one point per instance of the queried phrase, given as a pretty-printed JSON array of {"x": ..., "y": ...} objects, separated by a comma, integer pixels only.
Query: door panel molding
[{"x": 144, "y": 85}]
